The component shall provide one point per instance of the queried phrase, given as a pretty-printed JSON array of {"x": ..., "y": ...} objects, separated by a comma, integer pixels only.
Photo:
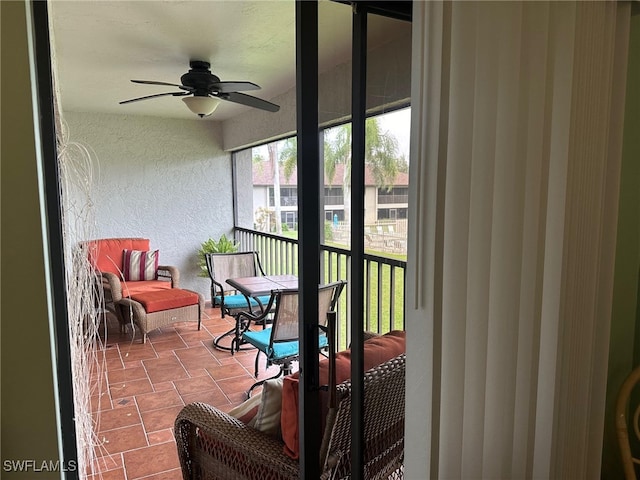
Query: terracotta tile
[
  {"x": 221, "y": 326},
  {"x": 212, "y": 323},
  {"x": 117, "y": 474},
  {"x": 221, "y": 355},
  {"x": 193, "y": 385},
  {"x": 212, "y": 397},
  {"x": 190, "y": 335},
  {"x": 137, "y": 352},
  {"x": 162, "y": 334},
  {"x": 114, "y": 363},
  {"x": 117, "y": 418},
  {"x": 123, "y": 402},
  {"x": 220, "y": 331},
  {"x": 238, "y": 397},
  {"x": 186, "y": 327},
  {"x": 160, "y": 419},
  {"x": 123, "y": 439},
  {"x": 187, "y": 374},
  {"x": 98, "y": 383},
  {"x": 202, "y": 361},
  {"x": 197, "y": 372},
  {"x": 133, "y": 364},
  {"x": 175, "y": 474},
  {"x": 152, "y": 460},
  {"x": 236, "y": 385},
  {"x": 135, "y": 387},
  {"x": 156, "y": 400},
  {"x": 101, "y": 402},
  {"x": 165, "y": 369},
  {"x": 162, "y": 386},
  {"x": 172, "y": 342},
  {"x": 250, "y": 361},
  {"x": 161, "y": 436},
  {"x": 105, "y": 463},
  {"x": 165, "y": 353},
  {"x": 126, "y": 374},
  {"x": 111, "y": 352},
  {"x": 192, "y": 352},
  {"x": 227, "y": 371}
]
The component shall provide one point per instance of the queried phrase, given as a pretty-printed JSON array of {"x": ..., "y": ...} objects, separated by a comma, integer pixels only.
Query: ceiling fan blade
[
  {"x": 249, "y": 101},
  {"x": 151, "y": 82},
  {"x": 229, "y": 87},
  {"x": 175, "y": 94}
]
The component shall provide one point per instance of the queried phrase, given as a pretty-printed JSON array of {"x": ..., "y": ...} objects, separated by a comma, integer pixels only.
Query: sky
[{"x": 398, "y": 123}]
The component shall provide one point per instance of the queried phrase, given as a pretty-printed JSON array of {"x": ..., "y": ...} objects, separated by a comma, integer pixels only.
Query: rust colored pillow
[{"x": 377, "y": 350}]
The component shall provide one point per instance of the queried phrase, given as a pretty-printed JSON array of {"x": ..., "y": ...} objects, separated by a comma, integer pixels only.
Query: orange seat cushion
[
  {"x": 377, "y": 350},
  {"x": 160, "y": 300}
]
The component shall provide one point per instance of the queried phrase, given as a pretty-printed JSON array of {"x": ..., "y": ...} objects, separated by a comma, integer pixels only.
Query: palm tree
[
  {"x": 274, "y": 160},
  {"x": 382, "y": 157}
]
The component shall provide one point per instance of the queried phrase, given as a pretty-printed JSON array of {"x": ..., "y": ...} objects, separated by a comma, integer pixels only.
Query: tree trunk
[{"x": 273, "y": 158}]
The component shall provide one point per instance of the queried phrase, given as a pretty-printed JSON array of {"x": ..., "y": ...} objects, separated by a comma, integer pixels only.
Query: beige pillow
[
  {"x": 247, "y": 411},
  {"x": 268, "y": 418}
]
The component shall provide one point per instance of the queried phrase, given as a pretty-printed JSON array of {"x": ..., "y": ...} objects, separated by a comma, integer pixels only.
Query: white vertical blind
[{"x": 514, "y": 171}]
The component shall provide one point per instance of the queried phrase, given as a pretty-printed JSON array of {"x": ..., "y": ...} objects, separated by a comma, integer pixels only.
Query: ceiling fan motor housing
[{"x": 200, "y": 78}]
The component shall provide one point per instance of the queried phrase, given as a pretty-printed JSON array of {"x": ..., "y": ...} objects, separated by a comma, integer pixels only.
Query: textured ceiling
[{"x": 99, "y": 46}]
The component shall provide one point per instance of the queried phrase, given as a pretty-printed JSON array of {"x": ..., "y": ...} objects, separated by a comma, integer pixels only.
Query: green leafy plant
[{"x": 222, "y": 245}]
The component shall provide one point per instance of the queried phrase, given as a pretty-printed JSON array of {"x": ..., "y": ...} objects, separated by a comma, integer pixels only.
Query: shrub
[
  {"x": 222, "y": 245},
  {"x": 328, "y": 231}
]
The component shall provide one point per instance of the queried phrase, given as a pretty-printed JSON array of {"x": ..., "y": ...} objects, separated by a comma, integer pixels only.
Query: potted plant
[{"x": 222, "y": 245}]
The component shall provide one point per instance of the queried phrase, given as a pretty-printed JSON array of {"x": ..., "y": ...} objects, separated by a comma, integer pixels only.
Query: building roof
[{"x": 263, "y": 175}]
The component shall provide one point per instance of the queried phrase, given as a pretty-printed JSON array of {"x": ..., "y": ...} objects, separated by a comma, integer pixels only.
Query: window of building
[
  {"x": 288, "y": 197},
  {"x": 392, "y": 213},
  {"x": 393, "y": 195},
  {"x": 333, "y": 196}
]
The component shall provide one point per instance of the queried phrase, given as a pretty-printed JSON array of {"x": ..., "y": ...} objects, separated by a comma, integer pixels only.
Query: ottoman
[{"x": 157, "y": 308}]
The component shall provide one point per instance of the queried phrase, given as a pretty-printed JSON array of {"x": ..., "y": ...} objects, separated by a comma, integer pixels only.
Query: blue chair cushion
[
  {"x": 260, "y": 340},
  {"x": 240, "y": 301}
]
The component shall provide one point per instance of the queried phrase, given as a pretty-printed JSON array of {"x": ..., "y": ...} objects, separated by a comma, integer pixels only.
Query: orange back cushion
[
  {"x": 106, "y": 254},
  {"x": 377, "y": 350}
]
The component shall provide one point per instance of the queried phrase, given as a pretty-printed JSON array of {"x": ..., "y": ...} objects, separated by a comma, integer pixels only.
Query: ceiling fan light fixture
[{"x": 201, "y": 106}]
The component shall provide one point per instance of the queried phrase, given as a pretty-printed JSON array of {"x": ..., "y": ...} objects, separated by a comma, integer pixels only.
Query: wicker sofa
[{"x": 214, "y": 445}]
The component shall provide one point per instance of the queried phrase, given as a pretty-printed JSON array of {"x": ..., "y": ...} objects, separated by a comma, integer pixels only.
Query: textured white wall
[{"x": 166, "y": 180}]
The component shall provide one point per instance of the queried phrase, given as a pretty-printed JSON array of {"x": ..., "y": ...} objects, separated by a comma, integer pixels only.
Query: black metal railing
[{"x": 384, "y": 279}]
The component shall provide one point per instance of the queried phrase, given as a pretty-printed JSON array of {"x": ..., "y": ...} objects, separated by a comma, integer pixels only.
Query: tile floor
[{"x": 142, "y": 387}]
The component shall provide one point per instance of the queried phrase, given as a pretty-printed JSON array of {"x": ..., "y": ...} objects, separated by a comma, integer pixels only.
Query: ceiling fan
[{"x": 202, "y": 91}]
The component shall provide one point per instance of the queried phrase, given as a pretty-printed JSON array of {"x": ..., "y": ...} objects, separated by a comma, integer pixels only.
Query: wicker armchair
[
  {"x": 130, "y": 284},
  {"x": 628, "y": 420},
  {"x": 106, "y": 258},
  {"x": 213, "y": 445}
]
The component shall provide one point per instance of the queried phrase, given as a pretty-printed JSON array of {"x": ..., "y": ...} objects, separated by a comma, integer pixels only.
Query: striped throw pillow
[{"x": 139, "y": 265}]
